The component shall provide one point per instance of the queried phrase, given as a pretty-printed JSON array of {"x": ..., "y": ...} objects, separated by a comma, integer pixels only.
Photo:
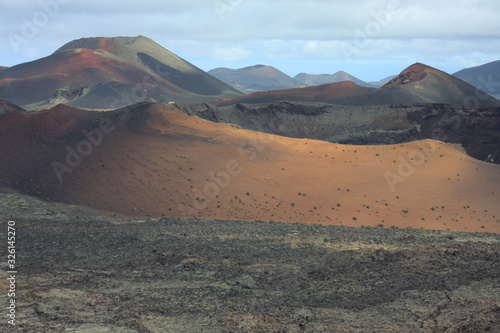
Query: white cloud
[
  {"x": 466, "y": 31},
  {"x": 230, "y": 54}
]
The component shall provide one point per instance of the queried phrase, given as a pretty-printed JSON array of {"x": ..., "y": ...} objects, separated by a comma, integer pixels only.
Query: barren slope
[{"x": 154, "y": 161}]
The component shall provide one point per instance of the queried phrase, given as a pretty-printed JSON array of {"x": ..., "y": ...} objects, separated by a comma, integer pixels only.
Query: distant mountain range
[
  {"x": 485, "y": 77},
  {"x": 260, "y": 77},
  {"x": 106, "y": 73},
  {"x": 418, "y": 83}
]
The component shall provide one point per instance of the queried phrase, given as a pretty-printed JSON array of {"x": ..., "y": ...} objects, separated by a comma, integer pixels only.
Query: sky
[{"x": 370, "y": 39}]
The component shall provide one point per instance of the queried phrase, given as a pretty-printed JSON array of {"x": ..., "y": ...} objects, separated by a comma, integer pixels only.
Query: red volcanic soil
[
  {"x": 151, "y": 161},
  {"x": 326, "y": 93}
]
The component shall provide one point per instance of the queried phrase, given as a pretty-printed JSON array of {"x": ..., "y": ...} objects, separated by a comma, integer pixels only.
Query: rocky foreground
[{"x": 82, "y": 271}]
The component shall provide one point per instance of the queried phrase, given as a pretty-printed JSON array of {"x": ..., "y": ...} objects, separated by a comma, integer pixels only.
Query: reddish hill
[
  {"x": 426, "y": 84},
  {"x": 418, "y": 83},
  {"x": 105, "y": 73},
  {"x": 149, "y": 160},
  {"x": 326, "y": 93}
]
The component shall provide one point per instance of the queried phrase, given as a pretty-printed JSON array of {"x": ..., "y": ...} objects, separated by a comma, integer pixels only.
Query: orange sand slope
[{"x": 150, "y": 160}]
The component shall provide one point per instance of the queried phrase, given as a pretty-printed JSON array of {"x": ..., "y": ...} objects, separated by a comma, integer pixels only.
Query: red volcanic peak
[
  {"x": 415, "y": 72},
  {"x": 108, "y": 73}
]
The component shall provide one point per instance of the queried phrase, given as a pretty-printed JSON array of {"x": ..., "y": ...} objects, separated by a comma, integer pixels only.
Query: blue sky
[{"x": 370, "y": 39}]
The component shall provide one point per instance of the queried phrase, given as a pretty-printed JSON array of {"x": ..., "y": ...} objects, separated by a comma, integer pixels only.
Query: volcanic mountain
[
  {"x": 485, "y": 77},
  {"x": 151, "y": 160},
  {"x": 422, "y": 83},
  {"x": 255, "y": 78},
  {"x": 106, "y": 73},
  {"x": 418, "y": 83}
]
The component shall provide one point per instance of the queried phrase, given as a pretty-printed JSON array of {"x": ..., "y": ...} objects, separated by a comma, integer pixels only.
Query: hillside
[
  {"x": 106, "y": 73},
  {"x": 485, "y": 77},
  {"x": 151, "y": 160},
  {"x": 254, "y": 78}
]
